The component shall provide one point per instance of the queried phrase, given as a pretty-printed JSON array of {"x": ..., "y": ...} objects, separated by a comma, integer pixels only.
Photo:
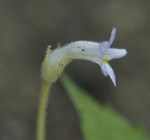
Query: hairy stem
[{"x": 42, "y": 110}]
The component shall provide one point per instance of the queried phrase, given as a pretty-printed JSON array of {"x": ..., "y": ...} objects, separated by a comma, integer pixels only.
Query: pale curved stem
[{"x": 42, "y": 110}]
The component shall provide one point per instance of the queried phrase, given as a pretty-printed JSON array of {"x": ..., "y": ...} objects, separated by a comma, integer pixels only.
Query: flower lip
[{"x": 115, "y": 53}]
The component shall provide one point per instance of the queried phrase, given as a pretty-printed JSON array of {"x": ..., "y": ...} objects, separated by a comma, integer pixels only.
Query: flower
[{"x": 98, "y": 52}]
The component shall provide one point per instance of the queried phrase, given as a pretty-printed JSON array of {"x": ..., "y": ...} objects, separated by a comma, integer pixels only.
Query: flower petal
[
  {"x": 112, "y": 37},
  {"x": 106, "y": 44},
  {"x": 103, "y": 47},
  {"x": 115, "y": 53},
  {"x": 103, "y": 68},
  {"x": 110, "y": 72}
]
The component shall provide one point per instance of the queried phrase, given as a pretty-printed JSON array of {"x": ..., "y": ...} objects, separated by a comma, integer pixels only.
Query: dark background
[{"x": 27, "y": 27}]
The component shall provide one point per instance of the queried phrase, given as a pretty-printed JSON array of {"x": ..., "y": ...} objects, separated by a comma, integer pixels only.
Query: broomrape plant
[{"x": 56, "y": 60}]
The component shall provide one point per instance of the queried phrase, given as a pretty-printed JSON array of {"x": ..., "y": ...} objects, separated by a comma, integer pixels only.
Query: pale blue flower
[{"x": 98, "y": 52}]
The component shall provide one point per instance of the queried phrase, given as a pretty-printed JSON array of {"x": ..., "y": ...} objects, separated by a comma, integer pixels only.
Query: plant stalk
[{"x": 42, "y": 110}]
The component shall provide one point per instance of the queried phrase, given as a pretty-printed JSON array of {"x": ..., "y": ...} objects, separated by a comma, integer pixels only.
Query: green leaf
[{"x": 99, "y": 122}]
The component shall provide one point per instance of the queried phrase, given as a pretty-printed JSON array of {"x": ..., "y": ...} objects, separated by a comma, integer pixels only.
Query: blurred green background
[{"x": 27, "y": 27}]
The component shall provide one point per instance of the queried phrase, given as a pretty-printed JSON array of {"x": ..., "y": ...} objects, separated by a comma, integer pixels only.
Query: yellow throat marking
[{"x": 105, "y": 60}]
